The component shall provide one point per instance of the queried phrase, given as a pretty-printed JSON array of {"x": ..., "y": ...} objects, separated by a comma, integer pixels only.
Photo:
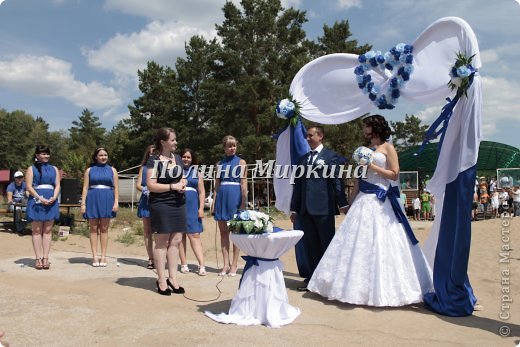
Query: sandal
[
  {"x": 38, "y": 264},
  {"x": 185, "y": 269},
  {"x": 46, "y": 265},
  {"x": 150, "y": 265},
  {"x": 202, "y": 271}
]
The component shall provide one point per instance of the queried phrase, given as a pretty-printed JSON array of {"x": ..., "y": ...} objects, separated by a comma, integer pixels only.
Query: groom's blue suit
[{"x": 316, "y": 201}]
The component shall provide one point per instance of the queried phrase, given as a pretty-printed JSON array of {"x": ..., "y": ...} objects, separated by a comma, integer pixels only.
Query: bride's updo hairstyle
[{"x": 379, "y": 125}]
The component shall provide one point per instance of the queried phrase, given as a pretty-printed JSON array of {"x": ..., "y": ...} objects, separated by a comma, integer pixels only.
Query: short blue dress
[
  {"x": 44, "y": 185},
  {"x": 100, "y": 196},
  {"x": 229, "y": 195},
  {"x": 192, "y": 201},
  {"x": 143, "y": 210}
]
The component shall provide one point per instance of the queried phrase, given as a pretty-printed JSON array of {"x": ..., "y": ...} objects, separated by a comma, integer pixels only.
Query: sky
[{"x": 58, "y": 57}]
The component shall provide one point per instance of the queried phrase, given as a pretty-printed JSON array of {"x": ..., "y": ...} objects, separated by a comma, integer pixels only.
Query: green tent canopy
[{"x": 491, "y": 156}]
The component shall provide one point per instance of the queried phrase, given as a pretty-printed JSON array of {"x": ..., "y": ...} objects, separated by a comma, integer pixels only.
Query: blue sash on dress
[{"x": 393, "y": 195}]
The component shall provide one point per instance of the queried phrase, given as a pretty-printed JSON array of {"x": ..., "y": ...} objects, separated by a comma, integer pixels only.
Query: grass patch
[{"x": 127, "y": 238}]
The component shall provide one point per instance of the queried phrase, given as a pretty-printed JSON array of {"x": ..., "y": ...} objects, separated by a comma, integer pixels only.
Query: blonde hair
[{"x": 228, "y": 138}]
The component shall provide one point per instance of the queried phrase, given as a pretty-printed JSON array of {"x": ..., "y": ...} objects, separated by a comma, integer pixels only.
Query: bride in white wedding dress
[{"x": 373, "y": 260}]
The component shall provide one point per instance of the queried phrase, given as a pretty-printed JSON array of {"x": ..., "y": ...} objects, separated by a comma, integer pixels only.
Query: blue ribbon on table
[
  {"x": 250, "y": 261},
  {"x": 393, "y": 195}
]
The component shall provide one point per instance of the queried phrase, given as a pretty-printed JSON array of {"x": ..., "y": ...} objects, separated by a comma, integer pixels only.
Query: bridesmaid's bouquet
[
  {"x": 363, "y": 155},
  {"x": 251, "y": 222}
]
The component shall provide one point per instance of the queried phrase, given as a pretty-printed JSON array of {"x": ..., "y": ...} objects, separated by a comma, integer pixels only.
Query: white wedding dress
[{"x": 371, "y": 261}]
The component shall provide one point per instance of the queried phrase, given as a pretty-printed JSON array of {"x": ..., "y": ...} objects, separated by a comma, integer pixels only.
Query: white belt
[
  {"x": 229, "y": 183},
  {"x": 190, "y": 188},
  {"x": 44, "y": 186},
  {"x": 100, "y": 186}
]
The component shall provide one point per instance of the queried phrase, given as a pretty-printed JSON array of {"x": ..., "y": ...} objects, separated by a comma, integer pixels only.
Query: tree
[
  {"x": 409, "y": 133},
  {"x": 335, "y": 39},
  {"x": 17, "y": 146},
  {"x": 157, "y": 107},
  {"x": 86, "y": 134}
]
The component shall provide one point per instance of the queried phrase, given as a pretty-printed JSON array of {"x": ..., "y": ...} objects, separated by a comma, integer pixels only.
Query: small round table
[{"x": 262, "y": 297}]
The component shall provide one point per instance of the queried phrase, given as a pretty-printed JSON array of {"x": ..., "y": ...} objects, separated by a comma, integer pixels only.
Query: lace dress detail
[{"x": 371, "y": 260}]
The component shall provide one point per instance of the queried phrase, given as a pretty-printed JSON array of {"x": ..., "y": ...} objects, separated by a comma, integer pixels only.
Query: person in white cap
[{"x": 16, "y": 191}]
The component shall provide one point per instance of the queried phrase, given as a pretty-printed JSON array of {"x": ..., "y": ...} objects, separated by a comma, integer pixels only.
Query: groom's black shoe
[{"x": 302, "y": 289}]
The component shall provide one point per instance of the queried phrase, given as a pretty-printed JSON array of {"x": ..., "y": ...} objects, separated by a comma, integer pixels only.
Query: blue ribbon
[
  {"x": 250, "y": 261},
  {"x": 393, "y": 195},
  {"x": 444, "y": 118}
]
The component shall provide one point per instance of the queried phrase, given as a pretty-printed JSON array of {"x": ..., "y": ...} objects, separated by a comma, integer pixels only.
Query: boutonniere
[{"x": 319, "y": 162}]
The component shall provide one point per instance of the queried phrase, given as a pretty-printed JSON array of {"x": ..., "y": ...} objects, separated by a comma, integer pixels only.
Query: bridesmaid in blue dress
[
  {"x": 195, "y": 194},
  {"x": 43, "y": 185},
  {"x": 230, "y": 196},
  {"x": 143, "y": 210},
  {"x": 99, "y": 202}
]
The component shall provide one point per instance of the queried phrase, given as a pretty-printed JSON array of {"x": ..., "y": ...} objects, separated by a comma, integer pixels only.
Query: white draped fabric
[
  {"x": 281, "y": 185},
  {"x": 262, "y": 297},
  {"x": 327, "y": 91}
]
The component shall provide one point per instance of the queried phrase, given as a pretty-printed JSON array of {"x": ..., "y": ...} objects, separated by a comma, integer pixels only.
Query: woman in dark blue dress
[
  {"x": 43, "y": 185},
  {"x": 195, "y": 194},
  {"x": 143, "y": 210},
  {"x": 230, "y": 196},
  {"x": 167, "y": 185},
  {"x": 99, "y": 202}
]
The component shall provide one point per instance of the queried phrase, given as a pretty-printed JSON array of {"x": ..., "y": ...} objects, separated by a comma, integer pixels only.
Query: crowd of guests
[{"x": 492, "y": 200}]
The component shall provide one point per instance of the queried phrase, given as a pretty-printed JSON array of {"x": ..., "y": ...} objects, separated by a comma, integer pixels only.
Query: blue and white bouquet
[
  {"x": 288, "y": 109},
  {"x": 461, "y": 74},
  {"x": 250, "y": 222},
  {"x": 363, "y": 155}
]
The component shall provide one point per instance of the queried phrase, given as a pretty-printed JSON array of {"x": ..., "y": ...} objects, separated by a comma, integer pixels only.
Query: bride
[{"x": 374, "y": 259}]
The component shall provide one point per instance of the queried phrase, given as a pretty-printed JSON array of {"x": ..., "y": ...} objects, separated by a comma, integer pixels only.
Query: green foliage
[
  {"x": 86, "y": 134},
  {"x": 223, "y": 86},
  {"x": 128, "y": 238},
  {"x": 409, "y": 133}
]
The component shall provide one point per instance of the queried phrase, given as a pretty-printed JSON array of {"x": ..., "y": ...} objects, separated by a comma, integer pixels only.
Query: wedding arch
[{"x": 442, "y": 63}]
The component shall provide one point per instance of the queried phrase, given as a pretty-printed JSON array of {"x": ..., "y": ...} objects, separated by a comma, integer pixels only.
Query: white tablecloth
[{"x": 262, "y": 297}]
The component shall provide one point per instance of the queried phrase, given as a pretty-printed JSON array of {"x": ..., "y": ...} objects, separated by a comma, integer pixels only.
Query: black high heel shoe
[
  {"x": 167, "y": 291},
  {"x": 179, "y": 290}
]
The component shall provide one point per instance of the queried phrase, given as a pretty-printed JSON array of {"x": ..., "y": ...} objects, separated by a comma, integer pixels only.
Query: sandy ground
[{"x": 74, "y": 304}]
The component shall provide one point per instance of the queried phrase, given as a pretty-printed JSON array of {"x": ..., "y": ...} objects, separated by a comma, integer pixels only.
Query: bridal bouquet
[
  {"x": 363, "y": 155},
  {"x": 250, "y": 222}
]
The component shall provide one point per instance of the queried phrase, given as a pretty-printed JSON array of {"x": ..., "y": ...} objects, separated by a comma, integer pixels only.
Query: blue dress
[
  {"x": 192, "y": 201},
  {"x": 100, "y": 195},
  {"x": 44, "y": 185},
  {"x": 143, "y": 210},
  {"x": 229, "y": 195}
]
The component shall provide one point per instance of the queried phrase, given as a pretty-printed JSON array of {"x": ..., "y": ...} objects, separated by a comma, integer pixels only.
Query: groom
[{"x": 316, "y": 198}]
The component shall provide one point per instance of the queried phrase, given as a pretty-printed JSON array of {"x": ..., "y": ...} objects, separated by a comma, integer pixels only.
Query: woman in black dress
[{"x": 165, "y": 181}]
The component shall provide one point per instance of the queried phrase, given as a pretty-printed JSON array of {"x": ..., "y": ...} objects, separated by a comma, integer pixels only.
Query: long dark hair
[
  {"x": 162, "y": 134},
  {"x": 40, "y": 149},
  {"x": 93, "y": 159},
  {"x": 146, "y": 155},
  {"x": 379, "y": 125}
]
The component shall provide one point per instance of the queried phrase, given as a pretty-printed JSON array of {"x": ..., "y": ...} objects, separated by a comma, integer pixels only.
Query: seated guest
[{"x": 17, "y": 191}]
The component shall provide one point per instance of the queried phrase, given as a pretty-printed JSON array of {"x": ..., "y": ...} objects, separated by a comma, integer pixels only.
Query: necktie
[{"x": 311, "y": 156}]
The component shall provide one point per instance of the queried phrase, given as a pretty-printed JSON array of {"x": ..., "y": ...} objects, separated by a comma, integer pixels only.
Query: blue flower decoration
[
  {"x": 285, "y": 109},
  {"x": 399, "y": 60},
  {"x": 244, "y": 215}
]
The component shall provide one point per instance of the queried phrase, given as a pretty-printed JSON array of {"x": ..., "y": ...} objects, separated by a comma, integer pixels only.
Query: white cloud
[
  {"x": 45, "y": 76},
  {"x": 162, "y": 42},
  {"x": 499, "y": 107},
  {"x": 199, "y": 13},
  {"x": 345, "y": 4},
  {"x": 291, "y": 3}
]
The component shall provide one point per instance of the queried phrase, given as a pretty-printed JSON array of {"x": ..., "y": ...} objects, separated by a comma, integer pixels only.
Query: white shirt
[{"x": 416, "y": 204}]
